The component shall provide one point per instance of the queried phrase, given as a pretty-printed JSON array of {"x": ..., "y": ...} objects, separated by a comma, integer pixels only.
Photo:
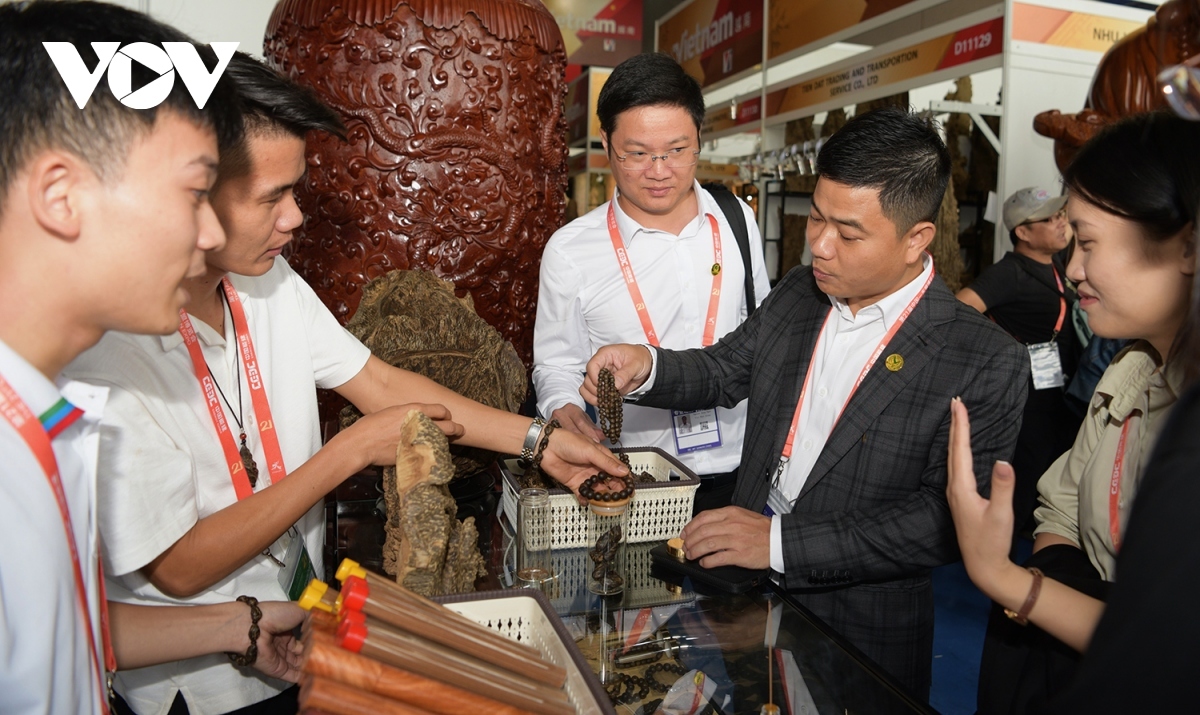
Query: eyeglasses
[
  {"x": 679, "y": 158},
  {"x": 1060, "y": 215},
  {"x": 1180, "y": 84}
]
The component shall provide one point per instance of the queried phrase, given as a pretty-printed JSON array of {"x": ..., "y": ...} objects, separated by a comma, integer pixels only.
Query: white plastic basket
[
  {"x": 525, "y": 616},
  {"x": 658, "y": 511}
]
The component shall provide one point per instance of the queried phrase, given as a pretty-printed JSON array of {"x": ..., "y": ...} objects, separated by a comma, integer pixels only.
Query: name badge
[
  {"x": 297, "y": 570},
  {"x": 1046, "y": 365},
  {"x": 695, "y": 430},
  {"x": 777, "y": 503}
]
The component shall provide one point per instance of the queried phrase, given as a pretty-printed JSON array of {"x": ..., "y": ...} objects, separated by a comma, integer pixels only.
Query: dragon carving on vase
[{"x": 456, "y": 157}]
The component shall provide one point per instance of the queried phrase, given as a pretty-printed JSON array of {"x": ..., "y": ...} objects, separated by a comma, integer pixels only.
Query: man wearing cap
[{"x": 1026, "y": 293}]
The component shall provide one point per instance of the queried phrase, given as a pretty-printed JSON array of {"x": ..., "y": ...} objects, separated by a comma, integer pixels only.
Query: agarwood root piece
[{"x": 427, "y": 549}]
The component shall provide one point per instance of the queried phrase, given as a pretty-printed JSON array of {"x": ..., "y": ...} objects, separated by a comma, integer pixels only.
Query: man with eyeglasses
[
  {"x": 658, "y": 265},
  {"x": 1027, "y": 294}
]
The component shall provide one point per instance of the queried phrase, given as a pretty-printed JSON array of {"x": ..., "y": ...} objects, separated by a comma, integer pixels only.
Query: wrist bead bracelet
[
  {"x": 251, "y": 654},
  {"x": 588, "y": 489}
]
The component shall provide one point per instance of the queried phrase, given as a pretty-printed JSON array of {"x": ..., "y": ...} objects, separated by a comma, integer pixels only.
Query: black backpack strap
[{"x": 731, "y": 206}]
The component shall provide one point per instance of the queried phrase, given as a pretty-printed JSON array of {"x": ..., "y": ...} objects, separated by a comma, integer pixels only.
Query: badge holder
[
  {"x": 695, "y": 430},
  {"x": 1045, "y": 365},
  {"x": 297, "y": 570}
]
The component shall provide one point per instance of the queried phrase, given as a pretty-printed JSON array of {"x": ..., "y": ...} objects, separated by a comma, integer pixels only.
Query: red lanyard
[
  {"x": 788, "y": 692},
  {"x": 258, "y": 396},
  {"x": 1114, "y": 488},
  {"x": 1062, "y": 300},
  {"x": 639, "y": 303},
  {"x": 27, "y": 425},
  {"x": 891, "y": 333},
  {"x": 637, "y": 630}
]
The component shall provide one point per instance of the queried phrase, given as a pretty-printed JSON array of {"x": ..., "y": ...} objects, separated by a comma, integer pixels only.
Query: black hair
[
  {"x": 37, "y": 111},
  {"x": 272, "y": 104},
  {"x": 1143, "y": 168},
  {"x": 645, "y": 80},
  {"x": 896, "y": 152}
]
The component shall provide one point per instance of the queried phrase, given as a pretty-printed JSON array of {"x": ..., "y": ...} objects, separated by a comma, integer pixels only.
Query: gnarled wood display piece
[
  {"x": 427, "y": 549},
  {"x": 413, "y": 320},
  {"x": 1126, "y": 80},
  {"x": 456, "y": 159},
  {"x": 947, "y": 259}
]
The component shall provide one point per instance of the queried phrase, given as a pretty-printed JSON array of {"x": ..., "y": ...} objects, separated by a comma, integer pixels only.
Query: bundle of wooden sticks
[{"x": 376, "y": 648}]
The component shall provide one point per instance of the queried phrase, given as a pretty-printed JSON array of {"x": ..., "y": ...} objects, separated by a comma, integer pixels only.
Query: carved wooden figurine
[{"x": 1126, "y": 79}]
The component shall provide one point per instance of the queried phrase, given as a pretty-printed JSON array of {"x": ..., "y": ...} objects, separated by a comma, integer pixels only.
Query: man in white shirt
[
  {"x": 211, "y": 440},
  {"x": 103, "y": 212},
  {"x": 673, "y": 234},
  {"x": 850, "y": 366}
]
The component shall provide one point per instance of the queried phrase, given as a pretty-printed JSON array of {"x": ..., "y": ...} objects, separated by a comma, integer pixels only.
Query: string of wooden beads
[
  {"x": 633, "y": 687},
  {"x": 587, "y": 490},
  {"x": 610, "y": 410},
  {"x": 609, "y": 406},
  {"x": 653, "y": 671}
]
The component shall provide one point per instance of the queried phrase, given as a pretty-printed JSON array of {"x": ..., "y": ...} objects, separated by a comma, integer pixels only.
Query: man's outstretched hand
[{"x": 629, "y": 364}]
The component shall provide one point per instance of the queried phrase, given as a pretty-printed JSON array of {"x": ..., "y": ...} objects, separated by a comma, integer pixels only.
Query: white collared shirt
[
  {"x": 163, "y": 469},
  {"x": 45, "y": 665},
  {"x": 584, "y": 304},
  {"x": 843, "y": 348}
]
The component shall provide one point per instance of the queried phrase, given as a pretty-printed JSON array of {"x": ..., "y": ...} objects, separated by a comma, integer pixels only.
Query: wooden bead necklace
[{"x": 610, "y": 410}]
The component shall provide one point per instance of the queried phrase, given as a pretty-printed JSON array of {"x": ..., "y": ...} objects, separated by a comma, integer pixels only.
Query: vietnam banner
[
  {"x": 1063, "y": 28},
  {"x": 957, "y": 48},
  {"x": 713, "y": 39},
  {"x": 602, "y": 33},
  {"x": 795, "y": 23}
]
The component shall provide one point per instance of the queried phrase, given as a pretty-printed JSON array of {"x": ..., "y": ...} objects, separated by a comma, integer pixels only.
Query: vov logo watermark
[{"x": 172, "y": 58}]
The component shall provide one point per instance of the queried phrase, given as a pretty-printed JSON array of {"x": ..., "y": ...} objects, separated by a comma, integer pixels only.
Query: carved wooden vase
[{"x": 456, "y": 159}]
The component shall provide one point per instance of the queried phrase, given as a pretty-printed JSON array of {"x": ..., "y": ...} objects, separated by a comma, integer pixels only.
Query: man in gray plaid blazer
[{"x": 844, "y": 495}]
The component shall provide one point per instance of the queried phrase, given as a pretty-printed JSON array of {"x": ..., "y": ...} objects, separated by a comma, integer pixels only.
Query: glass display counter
[{"x": 754, "y": 648}]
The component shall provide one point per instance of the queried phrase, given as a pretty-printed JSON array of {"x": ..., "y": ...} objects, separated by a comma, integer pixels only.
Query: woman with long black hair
[{"x": 1134, "y": 190}]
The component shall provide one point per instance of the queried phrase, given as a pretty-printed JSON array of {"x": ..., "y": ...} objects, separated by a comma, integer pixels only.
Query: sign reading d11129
[
  {"x": 878, "y": 75},
  {"x": 165, "y": 61},
  {"x": 713, "y": 39}
]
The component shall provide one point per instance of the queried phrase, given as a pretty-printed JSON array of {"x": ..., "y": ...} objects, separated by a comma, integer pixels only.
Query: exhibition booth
[{"x": 450, "y": 568}]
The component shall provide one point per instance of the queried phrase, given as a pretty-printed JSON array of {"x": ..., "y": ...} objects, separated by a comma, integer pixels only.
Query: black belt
[{"x": 709, "y": 482}]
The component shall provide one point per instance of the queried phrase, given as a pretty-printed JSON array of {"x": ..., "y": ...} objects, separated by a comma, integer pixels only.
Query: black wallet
[{"x": 726, "y": 579}]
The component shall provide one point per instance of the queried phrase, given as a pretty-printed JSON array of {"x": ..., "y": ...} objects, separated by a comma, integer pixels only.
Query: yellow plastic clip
[
  {"x": 348, "y": 568},
  {"x": 311, "y": 598}
]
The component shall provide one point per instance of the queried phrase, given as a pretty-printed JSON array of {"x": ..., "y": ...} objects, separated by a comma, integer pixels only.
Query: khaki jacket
[{"x": 1074, "y": 491}]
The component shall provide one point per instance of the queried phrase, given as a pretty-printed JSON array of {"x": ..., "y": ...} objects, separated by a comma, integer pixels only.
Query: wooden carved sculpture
[
  {"x": 1126, "y": 80},
  {"x": 427, "y": 549},
  {"x": 456, "y": 159}
]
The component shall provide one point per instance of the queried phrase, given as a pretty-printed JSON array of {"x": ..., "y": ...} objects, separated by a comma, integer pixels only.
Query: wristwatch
[{"x": 531, "y": 437}]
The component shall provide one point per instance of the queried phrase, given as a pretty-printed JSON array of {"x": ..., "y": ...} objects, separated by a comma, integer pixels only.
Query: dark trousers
[
  {"x": 716, "y": 491},
  {"x": 285, "y": 703}
]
